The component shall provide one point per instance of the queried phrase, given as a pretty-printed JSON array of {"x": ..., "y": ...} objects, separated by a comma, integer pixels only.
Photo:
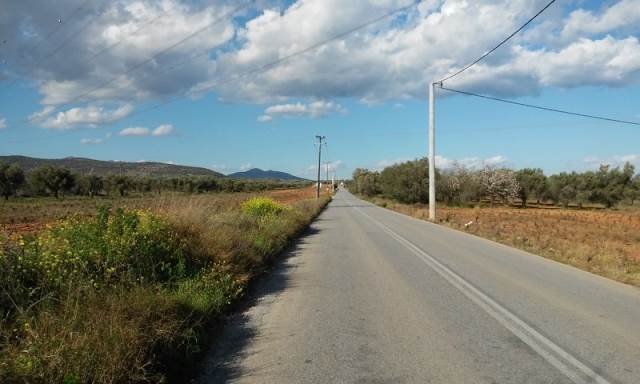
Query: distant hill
[
  {"x": 259, "y": 174},
  {"x": 99, "y": 167}
]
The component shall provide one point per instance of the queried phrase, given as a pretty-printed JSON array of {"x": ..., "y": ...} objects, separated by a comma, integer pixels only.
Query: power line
[
  {"x": 144, "y": 62},
  {"x": 499, "y": 45},
  {"x": 62, "y": 23},
  {"x": 280, "y": 60},
  {"x": 60, "y": 26},
  {"x": 270, "y": 64},
  {"x": 549, "y": 109},
  {"x": 140, "y": 28}
]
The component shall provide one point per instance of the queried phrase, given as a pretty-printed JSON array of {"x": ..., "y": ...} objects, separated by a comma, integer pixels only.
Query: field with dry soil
[{"x": 605, "y": 242}]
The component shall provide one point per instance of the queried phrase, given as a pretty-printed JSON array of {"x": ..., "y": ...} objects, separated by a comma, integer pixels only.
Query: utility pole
[
  {"x": 333, "y": 181},
  {"x": 432, "y": 152},
  {"x": 320, "y": 138},
  {"x": 327, "y": 171}
]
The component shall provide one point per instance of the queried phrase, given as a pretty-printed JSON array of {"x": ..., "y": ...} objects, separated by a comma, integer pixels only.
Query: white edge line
[{"x": 571, "y": 367}]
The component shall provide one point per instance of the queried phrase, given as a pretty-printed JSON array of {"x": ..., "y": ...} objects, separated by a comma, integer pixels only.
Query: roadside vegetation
[
  {"x": 590, "y": 220},
  {"x": 59, "y": 182},
  {"x": 130, "y": 293}
]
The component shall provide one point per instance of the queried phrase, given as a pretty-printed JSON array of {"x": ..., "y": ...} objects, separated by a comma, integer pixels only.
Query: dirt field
[
  {"x": 26, "y": 215},
  {"x": 603, "y": 242}
]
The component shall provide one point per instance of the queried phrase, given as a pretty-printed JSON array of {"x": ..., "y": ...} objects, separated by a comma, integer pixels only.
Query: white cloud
[
  {"x": 396, "y": 59},
  {"x": 620, "y": 15},
  {"x": 471, "y": 162},
  {"x": 136, "y": 31},
  {"x": 245, "y": 167},
  {"x": 91, "y": 141},
  {"x": 447, "y": 163},
  {"x": 94, "y": 141},
  {"x": 264, "y": 119},
  {"x": 135, "y": 131},
  {"x": 315, "y": 110},
  {"x": 3, "y": 122},
  {"x": 393, "y": 59},
  {"x": 382, "y": 164},
  {"x": 220, "y": 167},
  {"x": 615, "y": 161},
  {"x": 163, "y": 130},
  {"x": 336, "y": 166},
  {"x": 91, "y": 116}
]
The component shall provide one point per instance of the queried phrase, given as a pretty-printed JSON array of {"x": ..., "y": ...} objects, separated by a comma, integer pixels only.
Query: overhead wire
[
  {"x": 60, "y": 26},
  {"x": 282, "y": 59},
  {"x": 155, "y": 56},
  {"x": 539, "y": 107},
  {"x": 497, "y": 46}
]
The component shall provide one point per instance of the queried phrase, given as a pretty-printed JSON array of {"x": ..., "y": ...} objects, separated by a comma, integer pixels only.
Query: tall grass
[{"x": 126, "y": 295}]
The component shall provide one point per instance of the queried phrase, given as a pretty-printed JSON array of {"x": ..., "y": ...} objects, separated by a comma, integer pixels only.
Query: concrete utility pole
[
  {"x": 333, "y": 181},
  {"x": 320, "y": 138},
  {"x": 327, "y": 171},
  {"x": 432, "y": 152}
]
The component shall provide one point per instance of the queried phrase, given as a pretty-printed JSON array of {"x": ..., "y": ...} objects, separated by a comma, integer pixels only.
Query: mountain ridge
[
  {"x": 259, "y": 174},
  {"x": 108, "y": 167}
]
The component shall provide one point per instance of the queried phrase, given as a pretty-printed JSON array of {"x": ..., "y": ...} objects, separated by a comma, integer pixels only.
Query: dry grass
[
  {"x": 604, "y": 242},
  {"x": 140, "y": 331},
  {"x": 29, "y": 215}
]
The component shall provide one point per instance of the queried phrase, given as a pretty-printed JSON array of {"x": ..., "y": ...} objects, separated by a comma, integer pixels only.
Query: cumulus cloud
[
  {"x": 334, "y": 166},
  {"x": 616, "y": 160},
  {"x": 3, "y": 122},
  {"x": 448, "y": 163},
  {"x": 245, "y": 167},
  {"x": 315, "y": 110},
  {"x": 471, "y": 162},
  {"x": 91, "y": 141},
  {"x": 162, "y": 130},
  {"x": 135, "y": 131},
  {"x": 122, "y": 47},
  {"x": 90, "y": 116},
  {"x": 396, "y": 59},
  {"x": 129, "y": 50}
]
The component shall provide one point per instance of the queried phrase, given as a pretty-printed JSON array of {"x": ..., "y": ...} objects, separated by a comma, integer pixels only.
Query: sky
[{"x": 232, "y": 85}]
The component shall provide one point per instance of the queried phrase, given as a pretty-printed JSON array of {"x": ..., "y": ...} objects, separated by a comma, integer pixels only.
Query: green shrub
[
  {"x": 262, "y": 207},
  {"x": 210, "y": 291},
  {"x": 121, "y": 247}
]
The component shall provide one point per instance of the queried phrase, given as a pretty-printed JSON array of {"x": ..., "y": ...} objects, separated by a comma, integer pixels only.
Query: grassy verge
[
  {"x": 604, "y": 242},
  {"x": 126, "y": 295}
]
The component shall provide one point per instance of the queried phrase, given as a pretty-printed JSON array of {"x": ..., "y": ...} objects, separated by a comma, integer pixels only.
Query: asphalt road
[{"x": 372, "y": 296}]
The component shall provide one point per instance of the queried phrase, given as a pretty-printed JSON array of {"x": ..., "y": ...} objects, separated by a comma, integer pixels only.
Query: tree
[
  {"x": 90, "y": 185},
  {"x": 11, "y": 179},
  {"x": 51, "y": 180},
  {"x": 119, "y": 183},
  {"x": 633, "y": 191},
  {"x": 499, "y": 184},
  {"x": 406, "y": 182},
  {"x": 562, "y": 188},
  {"x": 532, "y": 182}
]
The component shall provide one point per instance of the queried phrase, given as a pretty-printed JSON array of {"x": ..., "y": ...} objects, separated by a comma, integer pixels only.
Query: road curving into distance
[{"x": 372, "y": 296}]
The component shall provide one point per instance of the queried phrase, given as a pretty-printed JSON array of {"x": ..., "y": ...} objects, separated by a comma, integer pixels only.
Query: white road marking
[{"x": 570, "y": 366}]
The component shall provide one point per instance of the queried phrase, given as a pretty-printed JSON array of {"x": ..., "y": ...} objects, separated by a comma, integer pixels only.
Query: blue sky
[{"x": 366, "y": 93}]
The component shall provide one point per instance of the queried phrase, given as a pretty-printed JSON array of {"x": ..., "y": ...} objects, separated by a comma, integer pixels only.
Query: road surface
[{"x": 372, "y": 296}]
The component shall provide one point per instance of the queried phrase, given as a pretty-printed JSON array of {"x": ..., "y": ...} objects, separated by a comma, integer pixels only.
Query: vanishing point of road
[{"x": 372, "y": 296}]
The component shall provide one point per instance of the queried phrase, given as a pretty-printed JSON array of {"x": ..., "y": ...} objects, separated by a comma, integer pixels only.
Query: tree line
[
  {"x": 59, "y": 181},
  {"x": 408, "y": 182}
]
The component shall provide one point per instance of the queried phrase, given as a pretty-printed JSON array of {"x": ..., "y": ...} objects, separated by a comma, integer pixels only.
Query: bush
[
  {"x": 113, "y": 248},
  {"x": 262, "y": 207},
  {"x": 127, "y": 296},
  {"x": 211, "y": 290}
]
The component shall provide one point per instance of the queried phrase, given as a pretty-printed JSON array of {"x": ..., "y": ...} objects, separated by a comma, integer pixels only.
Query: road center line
[{"x": 570, "y": 366}]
